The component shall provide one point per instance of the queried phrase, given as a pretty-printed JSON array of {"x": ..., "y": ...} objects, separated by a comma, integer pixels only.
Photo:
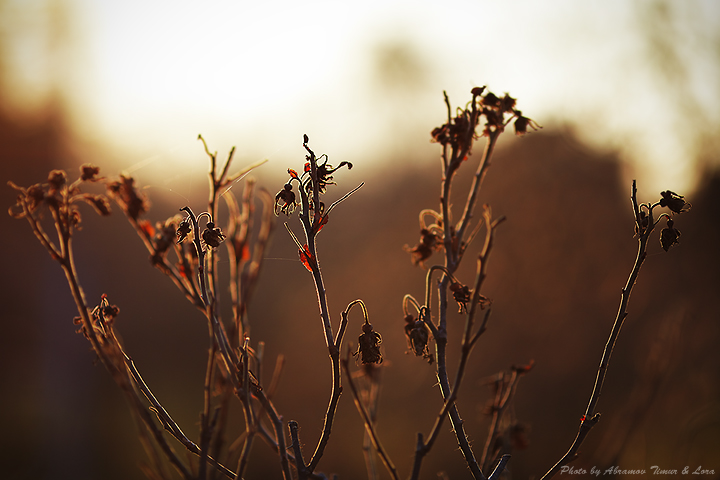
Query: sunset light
[
  {"x": 143, "y": 79},
  {"x": 393, "y": 239}
]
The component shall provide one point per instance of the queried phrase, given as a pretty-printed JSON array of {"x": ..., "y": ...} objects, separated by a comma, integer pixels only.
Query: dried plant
[{"x": 184, "y": 248}]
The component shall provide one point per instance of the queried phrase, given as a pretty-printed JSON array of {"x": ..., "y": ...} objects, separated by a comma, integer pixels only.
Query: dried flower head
[
  {"x": 89, "y": 173},
  {"x": 494, "y": 120},
  {"x": 35, "y": 195},
  {"x": 324, "y": 175},
  {"x": 285, "y": 200},
  {"x": 183, "y": 230},
  {"x": 669, "y": 235},
  {"x": 110, "y": 312},
  {"x": 522, "y": 123},
  {"x": 103, "y": 316},
  {"x": 212, "y": 235},
  {"x": 163, "y": 239},
  {"x": 459, "y": 131},
  {"x": 418, "y": 337},
  {"x": 125, "y": 193},
  {"x": 490, "y": 100},
  {"x": 507, "y": 103},
  {"x": 56, "y": 179},
  {"x": 369, "y": 345},
  {"x": 676, "y": 203},
  {"x": 32, "y": 197},
  {"x": 425, "y": 248},
  {"x": 462, "y": 295}
]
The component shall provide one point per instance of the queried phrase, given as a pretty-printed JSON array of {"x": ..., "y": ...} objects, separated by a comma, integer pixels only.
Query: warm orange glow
[{"x": 143, "y": 78}]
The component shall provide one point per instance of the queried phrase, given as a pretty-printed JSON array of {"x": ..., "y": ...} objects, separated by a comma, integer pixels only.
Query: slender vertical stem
[
  {"x": 590, "y": 418},
  {"x": 454, "y": 246},
  {"x": 477, "y": 183},
  {"x": 205, "y": 427},
  {"x": 311, "y": 227}
]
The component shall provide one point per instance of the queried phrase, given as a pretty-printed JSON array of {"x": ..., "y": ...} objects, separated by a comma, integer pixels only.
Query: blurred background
[{"x": 624, "y": 90}]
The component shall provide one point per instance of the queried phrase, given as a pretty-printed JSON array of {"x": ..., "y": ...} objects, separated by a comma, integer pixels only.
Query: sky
[{"x": 144, "y": 78}]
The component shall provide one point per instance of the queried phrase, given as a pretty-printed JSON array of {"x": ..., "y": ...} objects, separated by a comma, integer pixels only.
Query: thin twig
[
  {"x": 167, "y": 421},
  {"x": 279, "y": 432},
  {"x": 205, "y": 426},
  {"x": 454, "y": 247},
  {"x": 369, "y": 426},
  {"x": 590, "y": 418},
  {"x": 299, "y": 461}
]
